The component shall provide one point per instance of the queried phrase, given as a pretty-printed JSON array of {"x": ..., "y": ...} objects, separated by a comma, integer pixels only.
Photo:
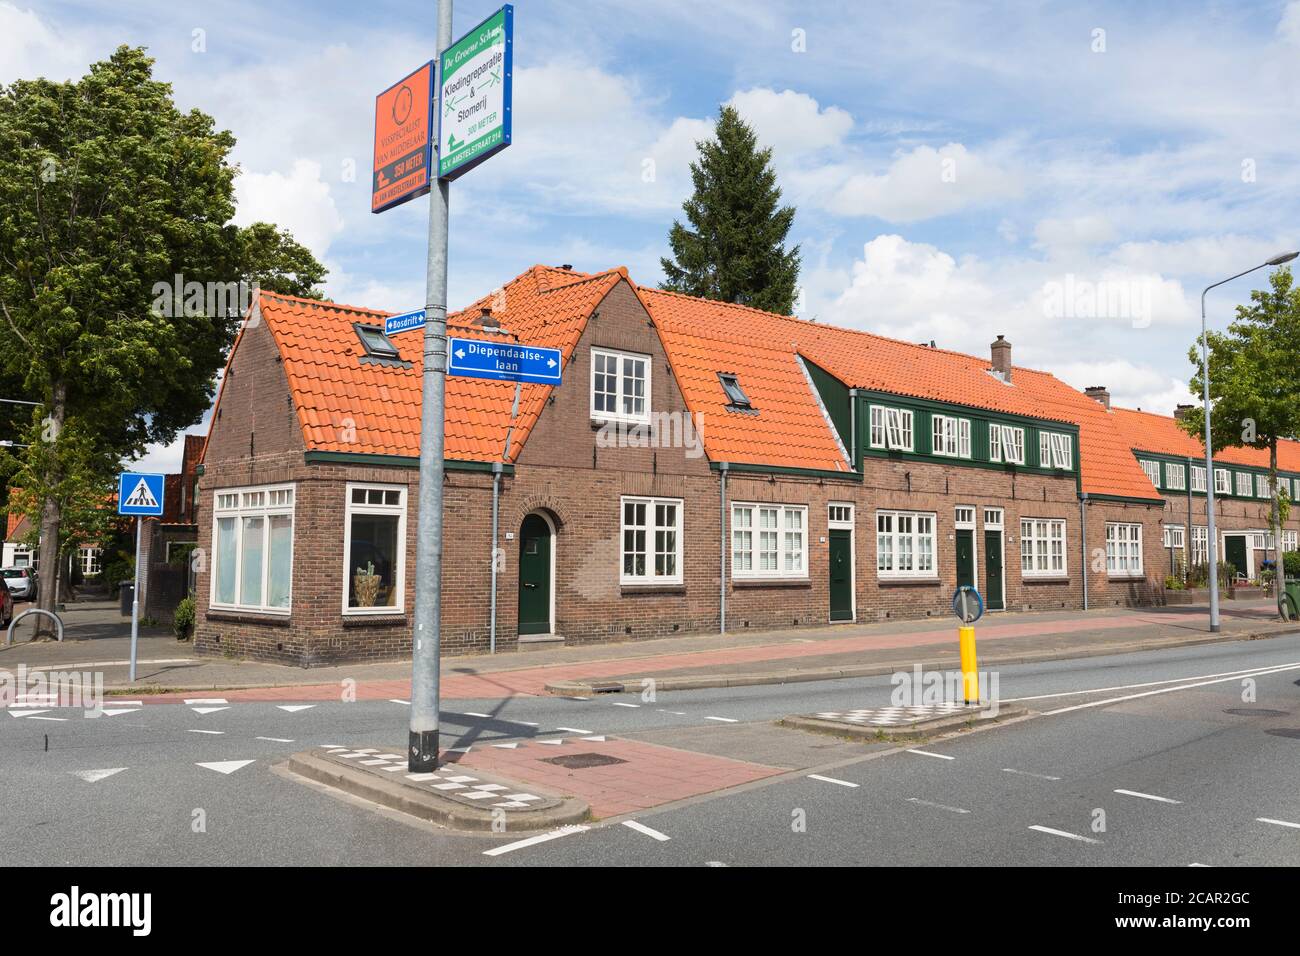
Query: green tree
[
  {"x": 1254, "y": 381},
  {"x": 107, "y": 190},
  {"x": 734, "y": 250}
]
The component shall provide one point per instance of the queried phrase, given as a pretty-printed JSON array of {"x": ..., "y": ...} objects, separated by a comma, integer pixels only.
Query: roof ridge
[{"x": 322, "y": 303}]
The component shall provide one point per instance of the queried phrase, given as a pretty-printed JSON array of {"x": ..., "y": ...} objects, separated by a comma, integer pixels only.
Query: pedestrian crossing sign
[{"x": 139, "y": 494}]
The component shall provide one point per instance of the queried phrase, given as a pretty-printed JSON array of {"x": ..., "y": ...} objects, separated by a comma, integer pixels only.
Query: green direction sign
[{"x": 474, "y": 95}]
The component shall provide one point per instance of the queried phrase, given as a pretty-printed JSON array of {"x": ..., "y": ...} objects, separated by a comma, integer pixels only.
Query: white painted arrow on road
[
  {"x": 90, "y": 776},
  {"x": 225, "y": 766},
  {"x": 294, "y": 708},
  {"x": 111, "y": 713},
  {"x": 207, "y": 710},
  {"x": 26, "y": 713}
]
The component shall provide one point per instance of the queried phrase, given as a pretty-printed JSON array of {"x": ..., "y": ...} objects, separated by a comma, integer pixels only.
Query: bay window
[
  {"x": 374, "y": 549},
  {"x": 652, "y": 541},
  {"x": 905, "y": 544},
  {"x": 252, "y": 537},
  {"x": 1042, "y": 547},
  {"x": 769, "y": 541}
]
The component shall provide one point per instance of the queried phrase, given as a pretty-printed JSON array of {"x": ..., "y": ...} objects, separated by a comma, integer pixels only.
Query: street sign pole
[
  {"x": 135, "y": 595},
  {"x": 422, "y": 749}
]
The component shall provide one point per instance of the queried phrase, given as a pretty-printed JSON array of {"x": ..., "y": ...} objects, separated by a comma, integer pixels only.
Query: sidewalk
[{"x": 97, "y": 638}]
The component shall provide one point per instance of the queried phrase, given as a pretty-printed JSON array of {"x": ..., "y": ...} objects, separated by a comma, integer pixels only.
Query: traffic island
[
  {"x": 901, "y": 723},
  {"x": 452, "y": 796}
]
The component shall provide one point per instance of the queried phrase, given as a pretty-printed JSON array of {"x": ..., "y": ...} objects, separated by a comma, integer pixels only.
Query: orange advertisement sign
[{"x": 403, "y": 140}]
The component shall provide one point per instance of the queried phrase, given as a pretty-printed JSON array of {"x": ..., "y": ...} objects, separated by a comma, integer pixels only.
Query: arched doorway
[{"x": 536, "y": 575}]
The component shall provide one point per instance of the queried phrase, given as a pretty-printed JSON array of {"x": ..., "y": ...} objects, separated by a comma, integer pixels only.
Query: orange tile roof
[{"x": 1147, "y": 431}]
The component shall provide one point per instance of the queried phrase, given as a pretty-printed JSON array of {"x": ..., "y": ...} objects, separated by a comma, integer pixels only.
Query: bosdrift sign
[{"x": 475, "y": 95}]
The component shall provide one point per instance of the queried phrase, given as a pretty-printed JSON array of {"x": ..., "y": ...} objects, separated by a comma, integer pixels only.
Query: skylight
[
  {"x": 375, "y": 342},
  {"x": 735, "y": 394}
]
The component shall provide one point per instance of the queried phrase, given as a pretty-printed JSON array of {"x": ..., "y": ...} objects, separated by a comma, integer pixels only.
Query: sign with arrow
[
  {"x": 139, "y": 494},
  {"x": 474, "y": 95},
  {"x": 504, "y": 361},
  {"x": 404, "y": 322}
]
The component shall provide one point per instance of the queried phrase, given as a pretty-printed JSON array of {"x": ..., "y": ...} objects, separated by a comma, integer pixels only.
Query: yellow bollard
[{"x": 970, "y": 677}]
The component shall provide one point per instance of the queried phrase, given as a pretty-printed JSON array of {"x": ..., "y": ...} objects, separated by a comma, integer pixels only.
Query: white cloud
[
  {"x": 793, "y": 124},
  {"x": 300, "y": 202},
  {"x": 30, "y": 48}
]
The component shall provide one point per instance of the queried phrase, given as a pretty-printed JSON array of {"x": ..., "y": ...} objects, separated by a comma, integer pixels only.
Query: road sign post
[
  {"x": 968, "y": 606},
  {"x": 141, "y": 496}
]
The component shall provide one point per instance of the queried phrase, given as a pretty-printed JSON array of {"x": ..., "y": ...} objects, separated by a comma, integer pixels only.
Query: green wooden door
[
  {"x": 965, "y": 557},
  {"x": 993, "y": 571},
  {"x": 841, "y": 572},
  {"x": 1234, "y": 548},
  {"x": 535, "y": 576}
]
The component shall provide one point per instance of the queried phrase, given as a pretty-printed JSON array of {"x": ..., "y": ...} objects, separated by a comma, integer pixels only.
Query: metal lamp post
[{"x": 1212, "y": 544}]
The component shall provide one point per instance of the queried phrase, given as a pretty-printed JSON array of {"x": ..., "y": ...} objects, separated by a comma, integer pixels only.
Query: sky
[{"x": 1069, "y": 175}]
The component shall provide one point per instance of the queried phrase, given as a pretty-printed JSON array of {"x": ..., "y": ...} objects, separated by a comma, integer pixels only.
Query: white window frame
[
  {"x": 651, "y": 529},
  {"x": 892, "y": 428},
  {"x": 912, "y": 537},
  {"x": 1244, "y": 485},
  {"x": 239, "y": 510},
  {"x": 1004, "y": 439},
  {"x": 1290, "y": 541},
  {"x": 1262, "y": 489},
  {"x": 1222, "y": 481},
  {"x": 993, "y": 518},
  {"x": 1175, "y": 536},
  {"x": 89, "y": 556},
  {"x": 621, "y": 380},
  {"x": 1175, "y": 476},
  {"x": 844, "y": 519},
  {"x": 950, "y": 437},
  {"x": 1043, "y": 551},
  {"x": 785, "y": 545},
  {"x": 1198, "y": 478},
  {"x": 1152, "y": 469},
  {"x": 1123, "y": 547},
  {"x": 399, "y": 572},
  {"x": 963, "y": 516},
  {"x": 1200, "y": 544}
]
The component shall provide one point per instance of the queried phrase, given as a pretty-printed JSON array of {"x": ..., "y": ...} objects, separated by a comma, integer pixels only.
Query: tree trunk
[
  {"x": 51, "y": 514},
  {"x": 1275, "y": 525}
]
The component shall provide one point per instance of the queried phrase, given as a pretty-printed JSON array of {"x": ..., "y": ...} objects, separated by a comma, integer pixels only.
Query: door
[
  {"x": 1234, "y": 552},
  {"x": 535, "y": 576},
  {"x": 841, "y": 571},
  {"x": 993, "y": 599},
  {"x": 965, "y": 557}
]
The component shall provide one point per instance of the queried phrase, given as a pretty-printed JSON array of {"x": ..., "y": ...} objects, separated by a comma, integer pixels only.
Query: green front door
[
  {"x": 535, "y": 576},
  {"x": 965, "y": 557},
  {"x": 841, "y": 571},
  {"x": 1234, "y": 547},
  {"x": 993, "y": 571}
]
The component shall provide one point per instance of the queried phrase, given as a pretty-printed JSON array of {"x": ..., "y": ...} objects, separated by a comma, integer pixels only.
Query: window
[
  {"x": 1289, "y": 540},
  {"x": 964, "y": 517},
  {"x": 1198, "y": 478},
  {"x": 24, "y": 558},
  {"x": 253, "y": 548},
  {"x": 375, "y": 342},
  {"x": 1124, "y": 549},
  {"x": 840, "y": 515},
  {"x": 905, "y": 545},
  {"x": 1042, "y": 547},
  {"x": 374, "y": 549},
  {"x": 768, "y": 541},
  {"x": 1176, "y": 476},
  {"x": 1200, "y": 545},
  {"x": 993, "y": 518},
  {"x": 951, "y": 436},
  {"x": 652, "y": 541},
  {"x": 891, "y": 428},
  {"x": 1055, "y": 450},
  {"x": 1263, "y": 488},
  {"x": 1222, "y": 481},
  {"x": 1006, "y": 444},
  {"x": 90, "y": 560},
  {"x": 1243, "y": 485},
  {"x": 1174, "y": 536},
  {"x": 1152, "y": 468},
  {"x": 620, "y": 386},
  {"x": 735, "y": 394}
]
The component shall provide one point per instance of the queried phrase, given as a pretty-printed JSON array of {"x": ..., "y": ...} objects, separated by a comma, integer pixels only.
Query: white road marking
[
  {"x": 1198, "y": 864},
  {"x": 1169, "y": 690},
  {"x": 722, "y": 720},
  {"x": 1063, "y": 833},
  {"x": 642, "y": 828},
  {"x": 506, "y": 746},
  {"x": 599, "y": 737},
  {"x": 404, "y": 703},
  {"x": 1148, "y": 796},
  {"x": 26, "y": 713},
  {"x": 60, "y": 719},
  {"x": 214, "y": 732},
  {"x": 619, "y": 703},
  {"x": 575, "y": 730},
  {"x": 225, "y": 766},
  {"x": 1030, "y": 773},
  {"x": 926, "y": 753},
  {"x": 583, "y": 699},
  {"x": 115, "y": 712},
  {"x": 1279, "y": 823},
  {"x": 294, "y": 708},
  {"x": 675, "y": 713},
  {"x": 91, "y": 776},
  {"x": 207, "y": 710},
  {"x": 553, "y": 743},
  {"x": 1150, "y": 683},
  {"x": 526, "y": 723},
  {"x": 842, "y": 783},
  {"x": 205, "y": 700},
  {"x": 459, "y": 750},
  {"x": 937, "y": 806},
  {"x": 276, "y": 740},
  {"x": 470, "y": 713},
  {"x": 534, "y": 840}
]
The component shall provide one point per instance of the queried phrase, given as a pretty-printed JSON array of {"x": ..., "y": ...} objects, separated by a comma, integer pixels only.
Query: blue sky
[{"x": 959, "y": 169}]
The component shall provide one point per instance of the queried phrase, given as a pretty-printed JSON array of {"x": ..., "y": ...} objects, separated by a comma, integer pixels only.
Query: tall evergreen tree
[{"x": 735, "y": 249}]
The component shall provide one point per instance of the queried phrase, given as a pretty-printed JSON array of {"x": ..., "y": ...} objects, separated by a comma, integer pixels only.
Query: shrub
[
  {"x": 1291, "y": 564},
  {"x": 1198, "y": 575},
  {"x": 183, "y": 620}
]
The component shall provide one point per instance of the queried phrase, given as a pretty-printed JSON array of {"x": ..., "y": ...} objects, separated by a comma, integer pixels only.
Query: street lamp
[{"x": 1212, "y": 544}]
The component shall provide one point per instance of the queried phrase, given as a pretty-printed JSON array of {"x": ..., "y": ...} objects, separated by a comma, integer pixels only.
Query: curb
[
  {"x": 430, "y": 805},
  {"x": 914, "y": 731},
  {"x": 628, "y": 685}
]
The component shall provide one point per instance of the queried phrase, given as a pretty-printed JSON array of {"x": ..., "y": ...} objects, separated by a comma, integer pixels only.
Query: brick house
[{"x": 702, "y": 466}]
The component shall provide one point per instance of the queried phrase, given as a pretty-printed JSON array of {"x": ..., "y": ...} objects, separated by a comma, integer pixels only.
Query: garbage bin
[
  {"x": 125, "y": 596},
  {"x": 1291, "y": 598}
]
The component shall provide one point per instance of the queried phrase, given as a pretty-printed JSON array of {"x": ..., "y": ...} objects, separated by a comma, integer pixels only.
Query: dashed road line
[
  {"x": 216, "y": 733},
  {"x": 642, "y": 828},
  {"x": 94, "y": 776},
  {"x": 1279, "y": 823},
  {"x": 276, "y": 740},
  {"x": 534, "y": 840},
  {"x": 1063, "y": 833},
  {"x": 619, "y": 703},
  {"x": 722, "y": 720},
  {"x": 1029, "y": 773},
  {"x": 1148, "y": 796},
  {"x": 927, "y": 753},
  {"x": 842, "y": 783},
  {"x": 937, "y": 806},
  {"x": 575, "y": 730}
]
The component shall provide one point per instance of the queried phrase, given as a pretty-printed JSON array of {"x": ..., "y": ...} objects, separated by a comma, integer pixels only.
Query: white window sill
[
  {"x": 650, "y": 582},
  {"x": 886, "y": 576},
  {"x": 241, "y": 609},
  {"x": 373, "y": 611},
  {"x": 618, "y": 420},
  {"x": 768, "y": 577}
]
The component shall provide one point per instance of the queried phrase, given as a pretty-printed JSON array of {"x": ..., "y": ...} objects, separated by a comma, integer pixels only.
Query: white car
[{"x": 21, "y": 582}]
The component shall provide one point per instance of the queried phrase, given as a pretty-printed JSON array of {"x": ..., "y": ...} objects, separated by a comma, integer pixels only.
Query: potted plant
[{"x": 366, "y": 586}]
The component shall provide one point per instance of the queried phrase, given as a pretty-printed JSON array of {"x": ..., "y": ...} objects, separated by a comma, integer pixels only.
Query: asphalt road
[{"x": 197, "y": 784}]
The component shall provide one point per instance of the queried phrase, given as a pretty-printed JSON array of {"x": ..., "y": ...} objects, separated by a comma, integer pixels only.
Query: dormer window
[
  {"x": 620, "y": 386},
  {"x": 736, "y": 396},
  {"x": 376, "y": 343}
]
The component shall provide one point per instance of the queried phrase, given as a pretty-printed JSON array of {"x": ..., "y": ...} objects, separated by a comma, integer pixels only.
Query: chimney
[
  {"x": 567, "y": 267},
  {"x": 1001, "y": 350},
  {"x": 487, "y": 320},
  {"x": 1181, "y": 411},
  {"x": 1098, "y": 393}
]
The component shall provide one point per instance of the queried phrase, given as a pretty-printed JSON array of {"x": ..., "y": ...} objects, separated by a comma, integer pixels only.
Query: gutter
[{"x": 723, "y": 468}]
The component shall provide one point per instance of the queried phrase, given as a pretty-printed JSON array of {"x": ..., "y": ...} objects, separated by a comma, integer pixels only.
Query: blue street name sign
[
  {"x": 139, "y": 494},
  {"x": 503, "y": 361},
  {"x": 404, "y": 322}
]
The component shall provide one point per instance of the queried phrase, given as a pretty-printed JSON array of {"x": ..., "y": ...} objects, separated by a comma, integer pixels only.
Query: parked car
[
  {"x": 6, "y": 607},
  {"x": 21, "y": 582}
]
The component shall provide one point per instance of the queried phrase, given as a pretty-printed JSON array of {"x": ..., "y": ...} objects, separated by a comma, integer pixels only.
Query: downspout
[
  {"x": 723, "y": 467},
  {"x": 1187, "y": 539},
  {"x": 1083, "y": 543},
  {"x": 496, "y": 494},
  {"x": 853, "y": 429}
]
